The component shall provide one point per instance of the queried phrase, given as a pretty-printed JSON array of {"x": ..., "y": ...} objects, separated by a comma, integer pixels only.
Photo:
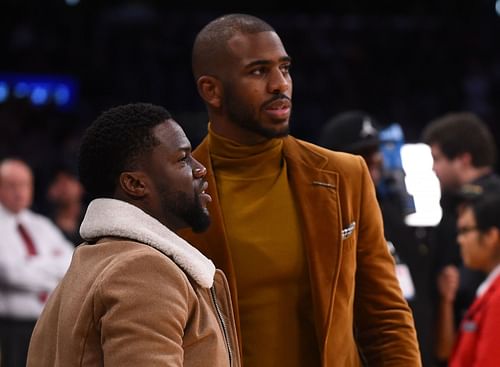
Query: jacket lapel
[
  {"x": 316, "y": 195},
  {"x": 220, "y": 254}
]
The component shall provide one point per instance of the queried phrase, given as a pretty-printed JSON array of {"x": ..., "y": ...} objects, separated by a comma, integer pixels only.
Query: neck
[
  {"x": 234, "y": 132},
  {"x": 150, "y": 207},
  {"x": 473, "y": 173}
]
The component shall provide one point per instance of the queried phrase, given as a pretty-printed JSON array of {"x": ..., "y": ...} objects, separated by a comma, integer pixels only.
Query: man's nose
[{"x": 199, "y": 170}]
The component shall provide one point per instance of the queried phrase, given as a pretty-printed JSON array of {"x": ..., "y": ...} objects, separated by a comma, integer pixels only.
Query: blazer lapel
[
  {"x": 316, "y": 195},
  {"x": 220, "y": 254}
]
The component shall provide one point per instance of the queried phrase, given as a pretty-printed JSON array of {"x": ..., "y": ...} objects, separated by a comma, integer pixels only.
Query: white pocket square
[{"x": 346, "y": 232}]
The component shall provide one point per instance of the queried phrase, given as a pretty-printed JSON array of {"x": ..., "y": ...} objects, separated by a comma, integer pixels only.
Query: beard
[
  {"x": 188, "y": 209},
  {"x": 242, "y": 115}
]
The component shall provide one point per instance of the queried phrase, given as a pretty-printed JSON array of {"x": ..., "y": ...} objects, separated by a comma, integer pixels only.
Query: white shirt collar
[{"x": 488, "y": 281}]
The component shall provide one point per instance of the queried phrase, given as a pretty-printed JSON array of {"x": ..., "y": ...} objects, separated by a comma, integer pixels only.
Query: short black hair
[
  {"x": 462, "y": 132},
  {"x": 210, "y": 43},
  {"x": 486, "y": 208},
  {"x": 113, "y": 142}
]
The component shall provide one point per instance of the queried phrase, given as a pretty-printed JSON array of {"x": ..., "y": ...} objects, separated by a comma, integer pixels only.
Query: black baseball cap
[{"x": 351, "y": 132}]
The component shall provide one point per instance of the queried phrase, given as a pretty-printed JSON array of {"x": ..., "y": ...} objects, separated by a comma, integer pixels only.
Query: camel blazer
[{"x": 359, "y": 311}]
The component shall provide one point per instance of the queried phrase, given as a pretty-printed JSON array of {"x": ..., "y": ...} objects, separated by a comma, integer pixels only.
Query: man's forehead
[
  {"x": 15, "y": 168},
  {"x": 244, "y": 44},
  {"x": 171, "y": 134}
]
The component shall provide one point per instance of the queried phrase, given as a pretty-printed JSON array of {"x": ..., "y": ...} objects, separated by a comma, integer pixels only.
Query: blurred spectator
[
  {"x": 464, "y": 154},
  {"x": 357, "y": 132},
  {"x": 34, "y": 255},
  {"x": 65, "y": 197},
  {"x": 479, "y": 238}
]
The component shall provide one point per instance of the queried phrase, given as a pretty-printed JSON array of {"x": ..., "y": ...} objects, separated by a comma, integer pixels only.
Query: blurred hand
[{"x": 447, "y": 283}]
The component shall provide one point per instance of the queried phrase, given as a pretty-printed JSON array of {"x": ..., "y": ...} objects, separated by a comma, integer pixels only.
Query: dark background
[{"x": 406, "y": 63}]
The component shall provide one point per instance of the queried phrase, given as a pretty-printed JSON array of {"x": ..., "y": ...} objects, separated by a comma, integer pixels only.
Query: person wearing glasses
[{"x": 478, "y": 228}]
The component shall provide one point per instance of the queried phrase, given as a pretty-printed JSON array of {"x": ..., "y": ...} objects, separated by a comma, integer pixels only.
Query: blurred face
[
  {"x": 16, "y": 186},
  {"x": 65, "y": 189},
  {"x": 178, "y": 197},
  {"x": 257, "y": 86},
  {"x": 447, "y": 171},
  {"x": 475, "y": 254}
]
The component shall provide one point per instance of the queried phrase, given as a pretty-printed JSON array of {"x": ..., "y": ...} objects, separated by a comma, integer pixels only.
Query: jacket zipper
[{"x": 223, "y": 324}]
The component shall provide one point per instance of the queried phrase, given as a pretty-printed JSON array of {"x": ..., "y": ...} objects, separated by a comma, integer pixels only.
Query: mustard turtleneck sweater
[{"x": 263, "y": 233}]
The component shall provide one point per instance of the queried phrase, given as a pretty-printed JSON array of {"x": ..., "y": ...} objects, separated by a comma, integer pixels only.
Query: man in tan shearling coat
[{"x": 136, "y": 294}]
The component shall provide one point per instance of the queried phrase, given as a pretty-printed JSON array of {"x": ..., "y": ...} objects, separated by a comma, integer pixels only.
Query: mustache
[
  {"x": 201, "y": 185},
  {"x": 277, "y": 97}
]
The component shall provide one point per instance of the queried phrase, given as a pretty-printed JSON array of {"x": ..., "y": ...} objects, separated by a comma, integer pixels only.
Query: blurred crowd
[{"x": 434, "y": 77}]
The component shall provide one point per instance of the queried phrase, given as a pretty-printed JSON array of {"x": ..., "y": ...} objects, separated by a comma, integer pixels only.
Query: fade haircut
[
  {"x": 114, "y": 142},
  {"x": 210, "y": 44},
  {"x": 462, "y": 132}
]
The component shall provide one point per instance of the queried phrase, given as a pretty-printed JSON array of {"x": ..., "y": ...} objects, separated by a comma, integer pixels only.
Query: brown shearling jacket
[{"x": 125, "y": 303}]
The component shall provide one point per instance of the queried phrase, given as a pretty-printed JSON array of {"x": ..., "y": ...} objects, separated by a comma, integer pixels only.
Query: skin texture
[
  {"x": 16, "y": 185},
  {"x": 447, "y": 170},
  {"x": 169, "y": 183},
  {"x": 478, "y": 248},
  {"x": 249, "y": 100},
  {"x": 455, "y": 172}
]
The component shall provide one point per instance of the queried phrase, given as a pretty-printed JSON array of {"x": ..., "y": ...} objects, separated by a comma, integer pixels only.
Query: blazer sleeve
[{"x": 383, "y": 321}]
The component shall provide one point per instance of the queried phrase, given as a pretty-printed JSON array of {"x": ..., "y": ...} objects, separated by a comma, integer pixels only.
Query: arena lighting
[
  {"x": 497, "y": 7},
  {"x": 392, "y": 139},
  {"x": 21, "y": 89},
  {"x": 423, "y": 184},
  {"x": 40, "y": 95},
  {"x": 58, "y": 90},
  {"x": 72, "y": 2},
  {"x": 4, "y": 91}
]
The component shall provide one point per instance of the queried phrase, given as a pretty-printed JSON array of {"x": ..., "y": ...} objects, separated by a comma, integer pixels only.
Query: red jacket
[{"x": 478, "y": 343}]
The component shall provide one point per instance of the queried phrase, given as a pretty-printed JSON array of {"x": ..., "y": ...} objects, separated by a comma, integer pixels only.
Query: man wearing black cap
[{"x": 357, "y": 132}]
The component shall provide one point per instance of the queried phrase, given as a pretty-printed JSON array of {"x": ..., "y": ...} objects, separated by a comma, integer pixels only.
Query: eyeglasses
[{"x": 466, "y": 229}]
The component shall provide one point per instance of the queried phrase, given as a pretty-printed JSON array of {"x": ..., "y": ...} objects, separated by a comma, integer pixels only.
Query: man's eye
[
  {"x": 258, "y": 71},
  {"x": 285, "y": 69}
]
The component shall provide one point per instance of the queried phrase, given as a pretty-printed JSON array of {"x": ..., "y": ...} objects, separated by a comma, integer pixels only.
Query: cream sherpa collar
[{"x": 111, "y": 217}]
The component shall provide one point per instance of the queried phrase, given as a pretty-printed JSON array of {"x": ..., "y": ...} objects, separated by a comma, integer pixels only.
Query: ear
[
  {"x": 494, "y": 234},
  {"x": 466, "y": 159},
  {"x": 133, "y": 184},
  {"x": 210, "y": 90},
  {"x": 491, "y": 239}
]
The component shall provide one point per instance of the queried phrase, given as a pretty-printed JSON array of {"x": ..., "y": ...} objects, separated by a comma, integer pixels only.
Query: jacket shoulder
[{"x": 332, "y": 160}]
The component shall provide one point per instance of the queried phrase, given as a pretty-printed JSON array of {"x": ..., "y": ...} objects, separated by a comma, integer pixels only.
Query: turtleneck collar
[{"x": 252, "y": 161}]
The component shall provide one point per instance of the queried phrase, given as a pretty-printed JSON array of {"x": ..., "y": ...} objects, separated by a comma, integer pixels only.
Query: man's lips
[
  {"x": 279, "y": 104},
  {"x": 206, "y": 198},
  {"x": 279, "y": 109}
]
